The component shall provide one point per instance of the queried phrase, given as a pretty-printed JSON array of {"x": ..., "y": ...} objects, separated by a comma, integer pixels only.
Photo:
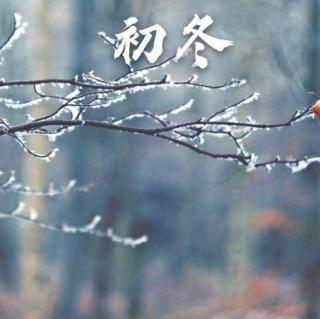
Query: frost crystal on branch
[
  {"x": 10, "y": 184},
  {"x": 31, "y": 216},
  {"x": 19, "y": 29}
]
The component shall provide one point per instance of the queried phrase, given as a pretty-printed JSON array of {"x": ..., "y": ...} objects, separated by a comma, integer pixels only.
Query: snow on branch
[
  {"x": 73, "y": 97},
  {"x": 31, "y": 216},
  {"x": 70, "y": 113},
  {"x": 18, "y": 30},
  {"x": 10, "y": 185}
]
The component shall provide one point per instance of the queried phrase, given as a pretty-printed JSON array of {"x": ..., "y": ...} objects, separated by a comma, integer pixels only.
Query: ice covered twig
[{"x": 32, "y": 217}]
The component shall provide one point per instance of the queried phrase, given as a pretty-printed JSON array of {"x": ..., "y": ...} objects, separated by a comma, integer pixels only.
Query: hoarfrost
[
  {"x": 19, "y": 30},
  {"x": 251, "y": 166},
  {"x": 303, "y": 164}
]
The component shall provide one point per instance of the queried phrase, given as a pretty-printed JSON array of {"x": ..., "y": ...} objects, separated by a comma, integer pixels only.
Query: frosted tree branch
[
  {"x": 9, "y": 184},
  {"x": 31, "y": 216},
  {"x": 73, "y": 97}
]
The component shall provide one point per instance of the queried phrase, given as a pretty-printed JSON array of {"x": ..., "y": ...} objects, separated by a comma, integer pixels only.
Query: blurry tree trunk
[
  {"x": 128, "y": 262},
  {"x": 119, "y": 269},
  {"x": 311, "y": 273},
  {"x": 8, "y": 231},
  {"x": 134, "y": 279},
  {"x": 115, "y": 267},
  {"x": 34, "y": 291},
  {"x": 74, "y": 248},
  {"x": 238, "y": 246}
]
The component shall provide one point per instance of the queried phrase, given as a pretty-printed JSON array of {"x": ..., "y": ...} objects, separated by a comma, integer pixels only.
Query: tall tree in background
[
  {"x": 125, "y": 265},
  {"x": 74, "y": 250},
  {"x": 32, "y": 263},
  {"x": 9, "y": 240}
]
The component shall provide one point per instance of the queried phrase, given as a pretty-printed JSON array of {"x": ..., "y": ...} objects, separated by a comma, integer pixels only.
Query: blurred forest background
[{"x": 223, "y": 243}]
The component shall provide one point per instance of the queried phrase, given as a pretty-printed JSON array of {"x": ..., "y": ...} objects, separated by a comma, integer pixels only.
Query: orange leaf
[{"x": 316, "y": 108}]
